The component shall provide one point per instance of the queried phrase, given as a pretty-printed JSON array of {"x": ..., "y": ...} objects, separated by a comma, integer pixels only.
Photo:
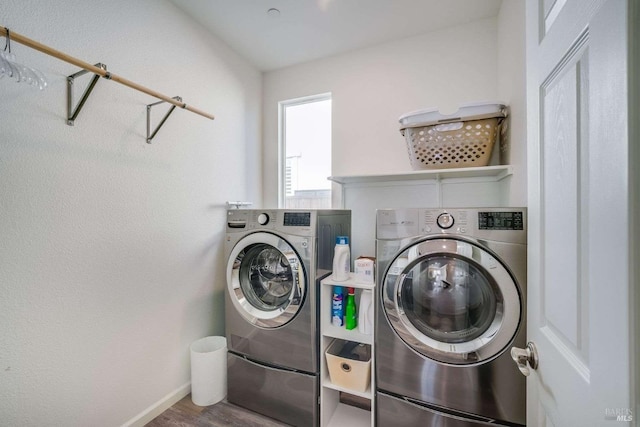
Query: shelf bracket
[
  {"x": 150, "y": 134},
  {"x": 439, "y": 189},
  {"x": 238, "y": 205},
  {"x": 72, "y": 112}
]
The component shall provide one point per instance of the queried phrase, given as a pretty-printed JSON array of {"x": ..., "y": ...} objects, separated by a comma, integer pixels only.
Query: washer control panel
[{"x": 295, "y": 221}]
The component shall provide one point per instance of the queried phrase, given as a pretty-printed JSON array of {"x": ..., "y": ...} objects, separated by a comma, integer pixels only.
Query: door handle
[{"x": 525, "y": 358}]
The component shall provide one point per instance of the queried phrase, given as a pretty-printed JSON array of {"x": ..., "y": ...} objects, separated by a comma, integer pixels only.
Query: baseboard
[{"x": 159, "y": 407}]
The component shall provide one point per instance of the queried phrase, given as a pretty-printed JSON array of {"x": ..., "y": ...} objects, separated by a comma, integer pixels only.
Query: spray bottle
[{"x": 350, "y": 311}]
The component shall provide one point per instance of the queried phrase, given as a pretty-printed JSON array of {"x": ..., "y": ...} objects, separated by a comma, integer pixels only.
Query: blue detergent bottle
[{"x": 337, "y": 307}]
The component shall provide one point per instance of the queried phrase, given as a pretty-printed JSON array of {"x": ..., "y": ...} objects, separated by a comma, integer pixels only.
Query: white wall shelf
[
  {"x": 485, "y": 186},
  {"x": 492, "y": 173},
  {"x": 344, "y": 334},
  {"x": 332, "y": 412},
  {"x": 326, "y": 382}
]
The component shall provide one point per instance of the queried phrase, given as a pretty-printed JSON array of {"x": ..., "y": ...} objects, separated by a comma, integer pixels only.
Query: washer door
[
  {"x": 265, "y": 280},
  {"x": 452, "y": 301}
]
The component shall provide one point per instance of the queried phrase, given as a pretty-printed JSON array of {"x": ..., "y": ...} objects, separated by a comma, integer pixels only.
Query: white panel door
[{"x": 579, "y": 310}]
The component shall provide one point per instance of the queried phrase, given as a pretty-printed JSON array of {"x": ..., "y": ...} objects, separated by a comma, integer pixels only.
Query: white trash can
[{"x": 208, "y": 370}]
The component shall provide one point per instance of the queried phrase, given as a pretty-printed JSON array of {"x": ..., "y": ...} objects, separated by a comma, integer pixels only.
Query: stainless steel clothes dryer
[
  {"x": 451, "y": 302},
  {"x": 275, "y": 261}
]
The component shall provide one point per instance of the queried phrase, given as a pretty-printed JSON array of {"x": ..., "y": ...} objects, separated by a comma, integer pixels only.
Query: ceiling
[{"x": 305, "y": 30}]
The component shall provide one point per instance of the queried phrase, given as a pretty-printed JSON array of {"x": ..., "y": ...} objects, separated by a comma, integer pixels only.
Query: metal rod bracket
[
  {"x": 18, "y": 38},
  {"x": 72, "y": 112},
  {"x": 151, "y": 134}
]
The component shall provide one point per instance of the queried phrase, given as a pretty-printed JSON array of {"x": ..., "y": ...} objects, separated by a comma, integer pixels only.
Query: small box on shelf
[{"x": 363, "y": 269}]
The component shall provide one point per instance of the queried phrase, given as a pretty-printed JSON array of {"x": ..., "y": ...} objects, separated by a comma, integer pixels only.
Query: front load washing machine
[
  {"x": 451, "y": 303},
  {"x": 275, "y": 261}
]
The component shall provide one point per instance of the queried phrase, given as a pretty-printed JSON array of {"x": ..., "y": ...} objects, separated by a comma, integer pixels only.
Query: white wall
[
  {"x": 372, "y": 87},
  {"x": 512, "y": 90},
  {"x": 111, "y": 250}
]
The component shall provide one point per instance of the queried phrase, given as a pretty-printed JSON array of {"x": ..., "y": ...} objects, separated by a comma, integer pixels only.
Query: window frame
[{"x": 282, "y": 143}]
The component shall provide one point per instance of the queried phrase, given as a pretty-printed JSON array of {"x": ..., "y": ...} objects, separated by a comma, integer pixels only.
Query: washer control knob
[
  {"x": 263, "y": 219},
  {"x": 445, "y": 221}
]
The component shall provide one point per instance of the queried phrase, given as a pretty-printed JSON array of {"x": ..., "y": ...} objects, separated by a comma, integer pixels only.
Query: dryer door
[
  {"x": 452, "y": 301},
  {"x": 265, "y": 280}
]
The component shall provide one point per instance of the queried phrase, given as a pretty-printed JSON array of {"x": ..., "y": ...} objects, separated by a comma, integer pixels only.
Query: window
[{"x": 305, "y": 147}]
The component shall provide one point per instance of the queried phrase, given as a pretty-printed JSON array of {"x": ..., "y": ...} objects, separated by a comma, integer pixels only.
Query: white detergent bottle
[
  {"x": 341, "y": 259},
  {"x": 365, "y": 319}
]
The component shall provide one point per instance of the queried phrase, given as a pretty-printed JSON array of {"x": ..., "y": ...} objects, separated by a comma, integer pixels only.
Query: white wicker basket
[{"x": 463, "y": 139}]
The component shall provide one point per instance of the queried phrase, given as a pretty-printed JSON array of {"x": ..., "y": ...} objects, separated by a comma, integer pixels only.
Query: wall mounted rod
[{"x": 97, "y": 70}]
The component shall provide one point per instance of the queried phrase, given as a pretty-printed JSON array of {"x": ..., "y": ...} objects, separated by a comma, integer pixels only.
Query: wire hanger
[{"x": 11, "y": 68}]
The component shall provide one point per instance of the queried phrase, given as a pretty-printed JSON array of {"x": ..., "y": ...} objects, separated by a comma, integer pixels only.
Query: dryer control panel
[{"x": 500, "y": 224}]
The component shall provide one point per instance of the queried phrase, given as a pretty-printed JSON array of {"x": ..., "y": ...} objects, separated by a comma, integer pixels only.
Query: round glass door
[
  {"x": 452, "y": 301},
  {"x": 265, "y": 280}
]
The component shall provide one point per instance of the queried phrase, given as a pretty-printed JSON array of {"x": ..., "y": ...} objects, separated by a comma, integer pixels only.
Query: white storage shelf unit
[{"x": 332, "y": 412}]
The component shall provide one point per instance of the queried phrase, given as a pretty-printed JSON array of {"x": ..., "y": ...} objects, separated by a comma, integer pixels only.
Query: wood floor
[{"x": 223, "y": 414}]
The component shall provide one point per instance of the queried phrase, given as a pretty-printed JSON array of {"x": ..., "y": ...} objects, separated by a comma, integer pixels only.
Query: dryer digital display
[
  {"x": 297, "y": 219},
  {"x": 500, "y": 221}
]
